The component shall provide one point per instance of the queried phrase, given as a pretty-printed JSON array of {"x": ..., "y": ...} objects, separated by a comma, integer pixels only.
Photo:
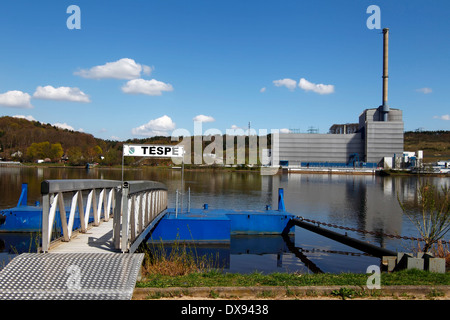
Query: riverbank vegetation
[
  {"x": 429, "y": 212},
  {"x": 217, "y": 278},
  {"x": 29, "y": 141},
  {"x": 179, "y": 265}
]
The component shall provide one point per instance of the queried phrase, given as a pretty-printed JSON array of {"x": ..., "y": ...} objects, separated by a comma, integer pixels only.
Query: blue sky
[{"x": 140, "y": 68}]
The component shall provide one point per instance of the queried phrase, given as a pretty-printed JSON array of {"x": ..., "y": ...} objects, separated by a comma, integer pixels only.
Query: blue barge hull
[
  {"x": 25, "y": 218},
  {"x": 217, "y": 225},
  {"x": 198, "y": 225}
]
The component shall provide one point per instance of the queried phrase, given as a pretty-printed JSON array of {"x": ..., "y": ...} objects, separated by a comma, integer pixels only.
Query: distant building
[
  {"x": 366, "y": 143},
  {"x": 377, "y": 135}
]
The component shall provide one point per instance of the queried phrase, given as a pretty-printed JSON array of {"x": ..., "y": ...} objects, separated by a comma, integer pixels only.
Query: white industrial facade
[{"x": 375, "y": 139}]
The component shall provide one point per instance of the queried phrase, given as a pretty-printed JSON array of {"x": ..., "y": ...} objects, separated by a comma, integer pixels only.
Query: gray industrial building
[
  {"x": 378, "y": 134},
  {"x": 373, "y": 140}
]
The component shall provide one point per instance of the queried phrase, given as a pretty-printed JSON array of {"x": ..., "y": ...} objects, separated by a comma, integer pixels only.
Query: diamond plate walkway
[
  {"x": 70, "y": 276},
  {"x": 86, "y": 268},
  {"x": 96, "y": 261}
]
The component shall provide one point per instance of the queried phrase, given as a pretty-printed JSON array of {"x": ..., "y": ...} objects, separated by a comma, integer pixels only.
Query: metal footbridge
[{"x": 92, "y": 254}]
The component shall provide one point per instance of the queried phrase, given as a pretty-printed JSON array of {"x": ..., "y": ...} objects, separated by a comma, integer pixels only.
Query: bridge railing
[
  {"x": 142, "y": 202},
  {"x": 55, "y": 193},
  {"x": 133, "y": 206}
]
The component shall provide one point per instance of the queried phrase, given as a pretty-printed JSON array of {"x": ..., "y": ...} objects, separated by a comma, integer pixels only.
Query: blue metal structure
[
  {"x": 203, "y": 225},
  {"x": 26, "y": 218},
  {"x": 217, "y": 225}
]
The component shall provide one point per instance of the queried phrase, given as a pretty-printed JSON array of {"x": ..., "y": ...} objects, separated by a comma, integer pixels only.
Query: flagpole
[
  {"x": 182, "y": 184},
  {"x": 123, "y": 152}
]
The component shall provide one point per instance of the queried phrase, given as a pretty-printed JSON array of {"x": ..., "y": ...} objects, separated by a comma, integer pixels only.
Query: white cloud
[
  {"x": 284, "y": 130},
  {"x": 150, "y": 87},
  {"x": 15, "y": 99},
  {"x": 121, "y": 69},
  {"x": 146, "y": 70},
  {"x": 425, "y": 90},
  {"x": 64, "y": 126},
  {"x": 156, "y": 127},
  {"x": 29, "y": 117},
  {"x": 317, "y": 88},
  {"x": 263, "y": 90},
  {"x": 203, "y": 118},
  {"x": 288, "y": 83},
  {"x": 443, "y": 117},
  {"x": 61, "y": 93}
]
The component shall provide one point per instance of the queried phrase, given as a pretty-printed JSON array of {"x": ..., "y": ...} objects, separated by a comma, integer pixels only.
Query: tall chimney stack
[{"x": 385, "y": 106}]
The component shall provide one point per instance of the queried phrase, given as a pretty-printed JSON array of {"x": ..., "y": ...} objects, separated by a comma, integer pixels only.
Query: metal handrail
[
  {"x": 53, "y": 192},
  {"x": 137, "y": 205},
  {"x": 142, "y": 202}
]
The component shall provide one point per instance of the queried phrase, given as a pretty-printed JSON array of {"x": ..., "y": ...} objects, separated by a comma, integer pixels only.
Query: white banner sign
[{"x": 148, "y": 150}]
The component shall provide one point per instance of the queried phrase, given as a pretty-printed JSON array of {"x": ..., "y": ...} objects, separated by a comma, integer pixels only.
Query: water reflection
[{"x": 358, "y": 201}]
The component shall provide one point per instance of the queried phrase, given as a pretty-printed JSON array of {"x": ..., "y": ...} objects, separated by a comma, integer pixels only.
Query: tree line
[{"x": 28, "y": 141}]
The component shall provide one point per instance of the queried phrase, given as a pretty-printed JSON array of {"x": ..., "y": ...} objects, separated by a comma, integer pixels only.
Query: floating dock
[
  {"x": 24, "y": 218},
  {"x": 217, "y": 225}
]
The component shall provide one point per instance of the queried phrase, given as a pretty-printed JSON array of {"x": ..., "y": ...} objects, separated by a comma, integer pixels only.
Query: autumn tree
[{"x": 75, "y": 156}]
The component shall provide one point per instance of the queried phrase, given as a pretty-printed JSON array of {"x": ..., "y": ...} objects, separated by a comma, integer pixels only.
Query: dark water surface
[{"x": 357, "y": 201}]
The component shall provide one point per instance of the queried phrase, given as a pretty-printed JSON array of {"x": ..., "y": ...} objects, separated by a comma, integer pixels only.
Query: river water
[{"x": 358, "y": 201}]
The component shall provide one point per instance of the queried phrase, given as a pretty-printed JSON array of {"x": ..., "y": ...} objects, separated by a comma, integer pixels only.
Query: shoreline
[{"x": 338, "y": 171}]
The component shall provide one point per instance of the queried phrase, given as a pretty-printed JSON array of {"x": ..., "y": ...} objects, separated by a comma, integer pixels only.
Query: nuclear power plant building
[
  {"x": 363, "y": 144},
  {"x": 377, "y": 135}
]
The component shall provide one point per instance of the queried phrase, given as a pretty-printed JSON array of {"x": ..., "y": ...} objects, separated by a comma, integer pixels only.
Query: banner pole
[
  {"x": 123, "y": 152},
  {"x": 182, "y": 184}
]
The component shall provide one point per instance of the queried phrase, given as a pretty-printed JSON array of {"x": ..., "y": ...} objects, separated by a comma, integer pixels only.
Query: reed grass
[{"x": 177, "y": 259}]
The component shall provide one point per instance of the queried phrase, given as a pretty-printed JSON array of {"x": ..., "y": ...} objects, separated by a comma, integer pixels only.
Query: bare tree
[{"x": 432, "y": 216}]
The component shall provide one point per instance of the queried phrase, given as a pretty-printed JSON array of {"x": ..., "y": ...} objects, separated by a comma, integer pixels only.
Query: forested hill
[
  {"x": 435, "y": 144},
  {"x": 27, "y": 141},
  {"x": 18, "y": 135}
]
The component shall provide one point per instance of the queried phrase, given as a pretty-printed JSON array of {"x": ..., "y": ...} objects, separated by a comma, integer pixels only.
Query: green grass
[{"x": 217, "y": 278}]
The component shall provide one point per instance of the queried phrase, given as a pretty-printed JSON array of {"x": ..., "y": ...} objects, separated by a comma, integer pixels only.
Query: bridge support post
[
  {"x": 125, "y": 218},
  {"x": 117, "y": 213},
  {"x": 45, "y": 227}
]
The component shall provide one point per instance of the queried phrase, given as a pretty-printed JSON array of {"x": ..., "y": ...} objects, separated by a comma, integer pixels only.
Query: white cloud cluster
[
  {"x": 29, "y": 117},
  {"x": 124, "y": 68},
  {"x": 443, "y": 117},
  {"x": 156, "y": 127},
  {"x": 288, "y": 83},
  {"x": 15, "y": 99},
  {"x": 305, "y": 85},
  {"x": 425, "y": 90},
  {"x": 61, "y": 93},
  {"x": 203, "y": 118},
  {"x": 317, "y": 88},
  {"x": 19, "y": 99},
  {"x": 127, "y": 69},
  {"x": 64, "y": 126},
  {"x": 57, "y": 124},
  {"x": 149, "y": 87}
]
